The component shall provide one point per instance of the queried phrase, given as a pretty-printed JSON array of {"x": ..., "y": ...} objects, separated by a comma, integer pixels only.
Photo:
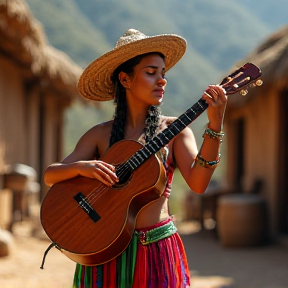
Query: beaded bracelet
[
  {"x": 214, "y": 135},
  {"x": 207, "y": 164}
]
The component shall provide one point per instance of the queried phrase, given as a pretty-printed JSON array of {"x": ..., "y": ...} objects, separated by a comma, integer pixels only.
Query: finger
[
  {"x": 214, "y": 91},
  {"x": 103, "y": 177},
  {"x": 208, "y": 95},
  {"x": 217, "y": 92},
  {"x": 109, "y": 170},
  {"x": 109, "y": 166},
  {"x": 220, "y": 90},
  {"x": 211, "y": 96}
]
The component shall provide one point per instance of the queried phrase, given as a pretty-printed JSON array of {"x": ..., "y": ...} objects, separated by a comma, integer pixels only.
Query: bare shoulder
[
  {"x": 96, "y": 140},
  {"x": 101, "y": 128}
]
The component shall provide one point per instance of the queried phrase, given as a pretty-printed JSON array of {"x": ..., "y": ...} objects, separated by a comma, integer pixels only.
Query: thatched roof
[
  {"x": 271, "y": 57},
  {"x": 23, "y": 42}
]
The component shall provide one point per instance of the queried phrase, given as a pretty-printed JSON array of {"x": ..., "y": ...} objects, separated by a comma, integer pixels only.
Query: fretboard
[{"x": 163, "y": 138}]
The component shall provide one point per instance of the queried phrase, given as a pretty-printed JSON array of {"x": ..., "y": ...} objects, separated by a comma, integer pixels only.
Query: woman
[{"x": 133, "y": 74}]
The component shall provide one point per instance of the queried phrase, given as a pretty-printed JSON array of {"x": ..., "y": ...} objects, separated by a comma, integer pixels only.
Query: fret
[
  {"x": 139, "y": 155},
  {"x": 188, "y": 117},
  {"x": 134, "y": 166},
  {"x": 161, "y": 142},
  {"x": 173, "y": 135},
  {"x": 152, "y": 148},
  {"x": 156, "y": 145},
  {"x": 182, "y": 122},
  {"x": 164, "y": 134},
  {"x": 136, "y": 158},
  {"x": 200, "y": 105},
  {"x": 143, "y": 152},
  {"x": 178, "y": 130}
]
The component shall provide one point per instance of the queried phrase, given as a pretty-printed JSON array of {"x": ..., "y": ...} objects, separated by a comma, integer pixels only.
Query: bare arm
[
  {"x": 82, "y": 161},
  {"x": 185, "y": 148}
]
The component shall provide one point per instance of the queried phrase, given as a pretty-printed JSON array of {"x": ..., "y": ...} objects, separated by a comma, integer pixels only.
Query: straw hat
[{"x": 95, "y": 82}]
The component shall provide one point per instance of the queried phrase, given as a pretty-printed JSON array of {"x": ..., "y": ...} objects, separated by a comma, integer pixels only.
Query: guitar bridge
[{"x": 86, "y": 207}]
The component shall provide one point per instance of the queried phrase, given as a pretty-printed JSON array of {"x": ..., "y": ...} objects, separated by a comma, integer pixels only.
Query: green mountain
[
  {"x": 219, "y": 33},
  {"x": 273, "y": 14}
]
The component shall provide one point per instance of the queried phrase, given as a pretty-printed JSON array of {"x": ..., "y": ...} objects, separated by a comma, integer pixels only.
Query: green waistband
[{"x": 156, "y": 234}]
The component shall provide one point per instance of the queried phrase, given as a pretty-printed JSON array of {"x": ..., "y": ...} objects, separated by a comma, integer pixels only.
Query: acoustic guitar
[{"x": 92, "y": 223}]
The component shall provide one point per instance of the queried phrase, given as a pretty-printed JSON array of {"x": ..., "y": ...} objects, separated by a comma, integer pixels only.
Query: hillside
[
  {"x": 219, "y": 33},
  {"x": 273, "y": 14}
]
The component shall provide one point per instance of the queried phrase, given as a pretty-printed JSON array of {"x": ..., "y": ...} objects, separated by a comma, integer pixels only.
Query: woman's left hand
[{"x": 215, "y": 96}]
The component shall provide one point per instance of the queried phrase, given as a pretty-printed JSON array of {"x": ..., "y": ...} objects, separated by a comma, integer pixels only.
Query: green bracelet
[
  {"x": 207, "y": 164},
  {"x": 214, "y": 135}
]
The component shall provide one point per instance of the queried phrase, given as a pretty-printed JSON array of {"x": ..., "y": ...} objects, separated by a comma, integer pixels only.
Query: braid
[
  {"x": 119, "y": 123},
  {"x": 118, "y": 127}
]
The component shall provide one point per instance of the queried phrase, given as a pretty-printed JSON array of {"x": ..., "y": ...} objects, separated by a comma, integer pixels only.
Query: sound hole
[{"x": 124, "y": 176}]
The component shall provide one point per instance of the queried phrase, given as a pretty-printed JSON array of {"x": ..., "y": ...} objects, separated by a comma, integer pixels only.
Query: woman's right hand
[
  {"x": 100, "y": 170},
  {"x": 96, "y": 169}
]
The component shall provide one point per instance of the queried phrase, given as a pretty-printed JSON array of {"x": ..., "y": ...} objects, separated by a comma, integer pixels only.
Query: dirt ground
[
  {"x": 22, "y": 267},
  {"x": 212, "y": 266}
]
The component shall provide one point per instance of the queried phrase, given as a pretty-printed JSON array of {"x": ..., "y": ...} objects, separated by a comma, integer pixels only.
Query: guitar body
[{"x": 102, "y": 228}]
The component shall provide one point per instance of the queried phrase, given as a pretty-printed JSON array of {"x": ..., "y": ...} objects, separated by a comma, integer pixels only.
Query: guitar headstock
[{"x": 247, "y": 75}]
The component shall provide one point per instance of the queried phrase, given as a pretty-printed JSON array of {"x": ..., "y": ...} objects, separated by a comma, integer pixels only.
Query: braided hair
[{"x": 153, "y": 113}]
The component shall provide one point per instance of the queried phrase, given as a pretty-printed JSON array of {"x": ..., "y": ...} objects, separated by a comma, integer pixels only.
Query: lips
[{"x": 159, "y": 91}]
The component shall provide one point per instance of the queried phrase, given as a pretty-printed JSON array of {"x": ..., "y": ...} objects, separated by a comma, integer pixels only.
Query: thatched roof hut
[
  {"x": 23, "y": 42},
  {"x": 257, "y": 130}
]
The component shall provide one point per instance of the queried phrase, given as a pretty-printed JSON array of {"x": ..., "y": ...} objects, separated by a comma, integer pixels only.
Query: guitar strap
[{"x": 46, "y": 252}]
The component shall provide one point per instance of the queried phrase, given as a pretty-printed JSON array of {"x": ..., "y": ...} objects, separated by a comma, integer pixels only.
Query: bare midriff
[{"x": 153, "y": 213}]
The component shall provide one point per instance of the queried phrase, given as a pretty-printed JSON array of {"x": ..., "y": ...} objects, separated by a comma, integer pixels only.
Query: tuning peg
[
  {"x": 259, "y": 82},
  {"x": 243, "y": 92}
]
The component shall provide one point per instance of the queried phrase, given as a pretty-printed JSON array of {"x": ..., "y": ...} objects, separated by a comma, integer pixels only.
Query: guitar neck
[{"x": 163, "y": 138}]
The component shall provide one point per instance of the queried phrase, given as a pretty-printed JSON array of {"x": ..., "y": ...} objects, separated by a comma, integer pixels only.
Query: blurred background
[{"x": 242, "y": 217}]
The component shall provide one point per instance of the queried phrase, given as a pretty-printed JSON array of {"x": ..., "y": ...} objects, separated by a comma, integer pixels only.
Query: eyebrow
[{"x": 154, "y": 67}]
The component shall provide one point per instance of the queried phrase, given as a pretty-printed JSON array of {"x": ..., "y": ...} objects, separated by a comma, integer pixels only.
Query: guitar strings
[
  {"x": 92, "y": 197},
  {"x": 121, "y": 170}
]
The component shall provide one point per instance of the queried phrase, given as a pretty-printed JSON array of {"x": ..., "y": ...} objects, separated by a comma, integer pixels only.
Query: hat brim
[{"x": 95, "y": 82}]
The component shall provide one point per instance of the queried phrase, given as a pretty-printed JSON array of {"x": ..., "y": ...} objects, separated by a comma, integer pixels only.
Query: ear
[{"x": 124, "y": 79}]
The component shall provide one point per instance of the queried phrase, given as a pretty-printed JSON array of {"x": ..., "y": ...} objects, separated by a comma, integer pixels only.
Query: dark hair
[{"x": 153, "y": 114}]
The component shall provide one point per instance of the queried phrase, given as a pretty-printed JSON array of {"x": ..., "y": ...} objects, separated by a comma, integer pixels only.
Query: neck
[
  {"x": 136, "y": 114},
  {"x": 135, "y": 120}
]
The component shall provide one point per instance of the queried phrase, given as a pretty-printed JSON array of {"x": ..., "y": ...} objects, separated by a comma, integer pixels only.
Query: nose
[{"x": 162, "y": 81}]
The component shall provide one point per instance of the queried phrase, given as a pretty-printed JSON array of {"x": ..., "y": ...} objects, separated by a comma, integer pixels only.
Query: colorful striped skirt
[{"x": 155, "y": 258}]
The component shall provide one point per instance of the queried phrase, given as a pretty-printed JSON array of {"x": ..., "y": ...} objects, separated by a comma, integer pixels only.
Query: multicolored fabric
[
  {"x": 169, "y": 167},
  {"x": 170, "y": 173},
  {"x": 160, "y": 264}
]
